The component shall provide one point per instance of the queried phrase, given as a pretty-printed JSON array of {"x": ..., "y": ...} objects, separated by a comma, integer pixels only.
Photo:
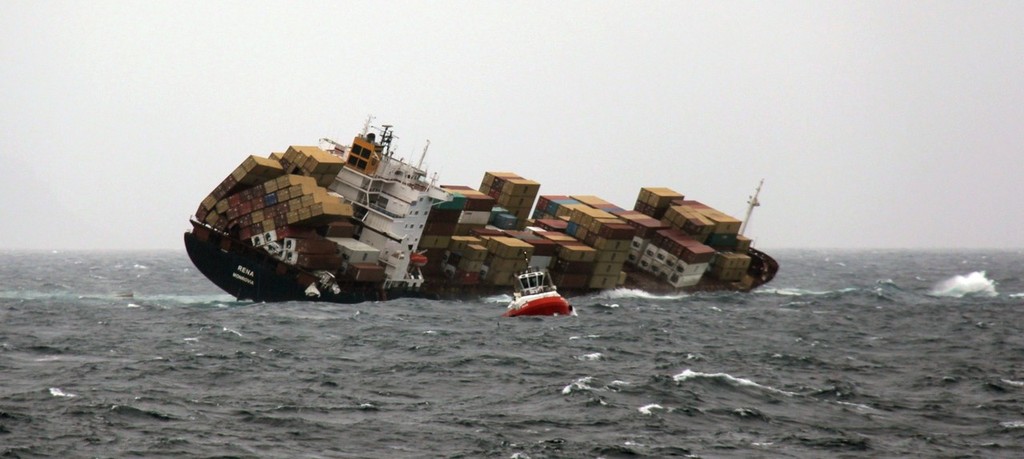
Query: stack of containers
[
  {"x": 513, "y": 193},
  {"x": 313, "y": 252},
  {"x": 547, "y": 206},
  {"x": 464, "y": 259},
  {"x": 544, "y": 250},
  {"x": 276, "y": 203},
  {"x": 357, "y": 257},
  {"x": 312, "y": 162},
  {"x": 655, "y": 201},
  {"x": 442, "y": 222},
  {"x": 476, "y": 211},
  {"x": 275, "y": 206},
  {"x": 729, "y": 266},
  {"x": 506, "y": 256},
  {"x": 574, "y": 261},
  {"x": 645, "y": 226},
  {"x": 596, "y": 202},
  {"x": 676, "y": 257}
]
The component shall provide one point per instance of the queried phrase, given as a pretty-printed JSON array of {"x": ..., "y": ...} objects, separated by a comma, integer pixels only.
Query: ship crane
[{"x": 751, "y": 204}]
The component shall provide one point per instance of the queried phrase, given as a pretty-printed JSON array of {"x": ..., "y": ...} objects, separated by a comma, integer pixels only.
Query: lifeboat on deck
[{"x": 536, "y": 295}]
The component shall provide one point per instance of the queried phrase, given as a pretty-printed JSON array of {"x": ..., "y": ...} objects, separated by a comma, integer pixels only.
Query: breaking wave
[
  {"x": 621, "y": 293},
  {"x": 727, "y": 378},
  {"x": 973, "y": 284}
]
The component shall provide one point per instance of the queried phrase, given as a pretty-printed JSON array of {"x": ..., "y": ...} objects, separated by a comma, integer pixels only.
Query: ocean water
[{"x": 845, "y": 354}]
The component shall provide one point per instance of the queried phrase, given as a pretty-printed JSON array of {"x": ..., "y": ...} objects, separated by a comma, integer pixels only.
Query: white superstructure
[{"x": 391, "y": 198}]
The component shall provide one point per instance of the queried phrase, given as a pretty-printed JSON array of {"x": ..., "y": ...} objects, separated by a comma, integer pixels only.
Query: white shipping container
[
  {"x": 355, "y": 251},
  {"x": 475, "y": 217},
  {"x": 683, "y": 268},
  {"x": 541, "y": 261},
  {"x": 679, "y": 281}
]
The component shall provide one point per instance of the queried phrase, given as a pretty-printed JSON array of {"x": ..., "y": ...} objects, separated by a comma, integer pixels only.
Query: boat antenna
[
  {"x": 366, "y": 125},
  {"x": 751, "y": 204},
  {"x": 424, "y": 155},
  {"x": 386, "y": 135}
]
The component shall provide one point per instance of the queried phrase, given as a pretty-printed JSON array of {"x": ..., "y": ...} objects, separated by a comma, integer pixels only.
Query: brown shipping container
[
  {"x": 459, "y": 243},
  {"x": 443, "y": 215},
  {"x": 570, "y": 280},
  {"x": 343, "y": 228},
  {"x": 573, "y": 267},
  {"x": 575, "y": 251},
  {"x": 319, "y": 261},
  {"x": 365, "y": 272},
  {"x": 434, "y": 242},
  {"x": 439, "y": 229},
  {"x": 604, "y": 282}
]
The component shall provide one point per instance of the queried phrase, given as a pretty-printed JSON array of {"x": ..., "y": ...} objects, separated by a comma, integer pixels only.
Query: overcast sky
[{"x": 873, "y": 124}]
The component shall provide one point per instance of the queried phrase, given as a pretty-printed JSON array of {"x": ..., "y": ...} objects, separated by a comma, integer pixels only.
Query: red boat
[{"x": 536, "y": 295}]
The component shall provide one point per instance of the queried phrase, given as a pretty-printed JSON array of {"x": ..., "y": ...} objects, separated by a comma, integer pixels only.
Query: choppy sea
[{"x": 845, "y": 354}]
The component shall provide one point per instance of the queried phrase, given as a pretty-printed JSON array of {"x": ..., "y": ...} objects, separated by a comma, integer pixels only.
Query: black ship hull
[{"x": 250, "y": 274}]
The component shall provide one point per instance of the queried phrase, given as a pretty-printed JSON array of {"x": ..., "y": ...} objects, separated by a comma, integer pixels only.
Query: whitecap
[
  {"x": 503, "y": 298},
  {"x": 138, "y": 266},
  {"x": 578, "y": 385},
  {"x": 973, "y": 284},
  {"x": 430, "y": 332},
  {"x": 191, "y": 339},
  {"x": 232, "y": 331},
  {"x": 620, "y": 383},
  {"x": 1012, "y": 424},
  {"x": 590, "y": 357},
  {"x": 791, "y": 291},
  {"x": 621, "y": 293},
  {"x": 688, "y": 374},
  {"x": 56, "y": 392},
  {"x": 1013, "y": 383},
  {"x": 574, "y": 337},
  {"x": 647, "y": 409},
  {"x": 858, "y": 406},
  {"x": 133, "y": 305},
  {"x": 1017, "y": 295}
]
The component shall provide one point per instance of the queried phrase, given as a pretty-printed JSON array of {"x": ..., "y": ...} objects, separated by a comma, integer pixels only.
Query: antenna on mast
[
  {"x": 751, "y": 204},
  {"x": 366, "y": 125},
  {"x": 424, "y": 155}
]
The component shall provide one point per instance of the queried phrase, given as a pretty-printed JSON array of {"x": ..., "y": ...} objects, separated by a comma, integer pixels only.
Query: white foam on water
[
  {"x": 857, "y": 406},
  {"x": 973, "y": 284},
  {"x": 621, "y": 293},
  {"x": 578, "y": 385},
  {"x": 791, "y": 292},
  {"x": 590, "y": 357},
  {"x": 688, "y": 374},
  {"x": 1013, "y": 383},
  {"x": 582, "y": 337},
  {"x": 503, "y": 298},
  {"x": 232, "y": 331},
  {"x": 191, "y": 339},
  {"x": 1012, "y": 424},
  {"x": 57, "y": 392},
  {"x": 1017, "y": 295},
  {"x": 648, "y": 409}
]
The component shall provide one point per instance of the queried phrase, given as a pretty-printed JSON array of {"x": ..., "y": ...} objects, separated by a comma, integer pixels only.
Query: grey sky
[{"x": 874, "y": 124}]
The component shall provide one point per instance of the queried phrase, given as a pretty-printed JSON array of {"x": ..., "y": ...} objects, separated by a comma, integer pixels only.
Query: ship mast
[
  {"x": 423, "y": 156},
  {"x": 751, "y": 204}
]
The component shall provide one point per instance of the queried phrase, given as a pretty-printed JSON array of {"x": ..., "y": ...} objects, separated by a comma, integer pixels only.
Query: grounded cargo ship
[{"x": 352, "y": 223}]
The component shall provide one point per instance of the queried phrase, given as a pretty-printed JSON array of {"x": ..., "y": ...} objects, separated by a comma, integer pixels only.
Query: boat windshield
[{"x": 533, "y": 282}]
